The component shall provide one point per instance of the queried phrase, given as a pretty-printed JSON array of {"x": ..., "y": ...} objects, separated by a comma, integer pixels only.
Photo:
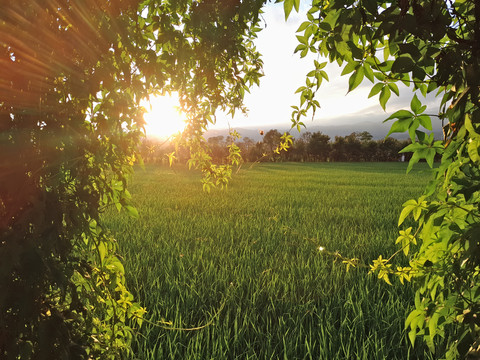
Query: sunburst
[{"x": 163, "y": 118}]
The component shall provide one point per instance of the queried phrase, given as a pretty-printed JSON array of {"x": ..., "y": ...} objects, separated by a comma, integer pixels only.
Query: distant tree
[
  {"x": 218, "y": 148},
  {"x": 353, "y": 147},
  {"x": 258, "y": 152},
  {"x": 339, "y": 150},
  {"x": 216, "y": 140},
  {"x": 364, "y": 136},
  {"x": 305, "y": 136},
  {"x": 318, "y": 146},
  {"x": 246, "y": 146},
  {"x": 298, "y": 151},
  {"x": 388, "y": 149},
  {"x": 248, "y": 142},
  {"x": 368, "y": 146},
  {"x": 369, "y": 150},
  {"x": 271, "y": 139}
]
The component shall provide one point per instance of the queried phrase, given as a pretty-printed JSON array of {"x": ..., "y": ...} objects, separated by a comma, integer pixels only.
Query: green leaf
[
  {"x": 325, "y": 26},
  {"x": 412, "y": 147},
  {"x": 430, "y": 156},
  {"x": 302, "y": 39},
  {"x": 351, "y": 66},
  {"x": 415, "y": 319},
  {"x": 297, "y": 5},
  {"x": 379, "y": 75},
  {"x": 472, "y": 149},
  {"x": 413, "y": 161},
  {"x": 342, "y": 48},
  {"x": 355, "y": 79},
  {"x": 331, "y": 19},
  {"x": 371, "y": 6},
  {"x": 425, "y": 121},
  {"x": 132, "y": 211},
  {"x": 411, "y": 129},
  {"x": 469, "y": 127},
  {"x": 409, "y": 206},
  {"x": 406, "y": 239},
  {"x": 415, "y": 105},
  {"x": 376, "y": 89},
  {"x": 416, "y": 156},
  {"x": 400, "y": 114},
  {"x": 102, "y": 250},
  {"x": 287, "y": 6},
  {"x": 422, "y": 137},
  {"x": 400, "y": 126},
  {"x": 394, "y": 88},
  {"x": 355, "y": 51},
  {"x": 300, "y": 89},
  {"x": 303, "y": 26},
  {"x": 386, "y": 52},
  {"x": 423, "y": 89},
  {"x": 318, "y": 65},
  {"x": 369, "y": 73},
  {"x": 384, "y": 96},
  {"x": 432, "y": 324},
  {"x": 115, "y": 264},
  {"x": 403, "y": 64},
  {"x": 300, "y": 47}
]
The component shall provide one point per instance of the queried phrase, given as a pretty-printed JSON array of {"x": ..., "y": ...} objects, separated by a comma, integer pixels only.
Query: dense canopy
[{"x": 72, "y": 76}]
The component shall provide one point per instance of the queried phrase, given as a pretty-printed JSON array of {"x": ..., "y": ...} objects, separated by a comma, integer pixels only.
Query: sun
[{"x": 163, "y": 118}]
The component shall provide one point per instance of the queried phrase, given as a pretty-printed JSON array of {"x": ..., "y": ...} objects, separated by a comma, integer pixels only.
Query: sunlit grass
[{"x": 254, "y": 249}]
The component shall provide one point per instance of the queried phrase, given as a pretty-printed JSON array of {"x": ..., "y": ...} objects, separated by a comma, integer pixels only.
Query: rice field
[{"x": 245, "y": 262}]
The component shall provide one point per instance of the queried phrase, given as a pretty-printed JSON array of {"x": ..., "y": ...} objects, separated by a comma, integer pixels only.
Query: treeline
[{"x": 310, "y": 147}]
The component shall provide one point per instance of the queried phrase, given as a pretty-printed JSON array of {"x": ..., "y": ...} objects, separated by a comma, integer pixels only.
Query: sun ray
[{"x": 163, "y": 118}]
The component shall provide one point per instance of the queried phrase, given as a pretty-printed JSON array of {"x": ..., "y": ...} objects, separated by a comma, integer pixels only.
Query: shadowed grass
[{"x": 254, "y": 249}]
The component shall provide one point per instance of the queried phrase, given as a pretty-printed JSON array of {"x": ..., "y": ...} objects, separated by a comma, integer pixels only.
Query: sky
[{"x": 270, "y": 104}]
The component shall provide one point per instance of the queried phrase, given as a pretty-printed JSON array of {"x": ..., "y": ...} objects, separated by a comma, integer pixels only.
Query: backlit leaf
[
  {"x": 376, "y": 89},
  {"x": 415, "y": 105},
  {"x": 287, "y": 7},
  {"x": 384, "y": 96},
  {"x": 355, "y": 79}
]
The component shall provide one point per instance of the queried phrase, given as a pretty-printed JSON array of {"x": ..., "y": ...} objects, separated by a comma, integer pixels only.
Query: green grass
[{"x": 252, "y": 251}]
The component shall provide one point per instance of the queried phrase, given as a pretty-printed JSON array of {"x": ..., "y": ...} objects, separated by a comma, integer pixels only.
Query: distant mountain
[{"x": 378, "y": 130}]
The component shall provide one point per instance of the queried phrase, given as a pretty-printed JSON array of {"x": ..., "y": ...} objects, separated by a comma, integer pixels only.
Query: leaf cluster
[
  {"x": 429, "y": 46},
  {"x": 72, "y": 76}
]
